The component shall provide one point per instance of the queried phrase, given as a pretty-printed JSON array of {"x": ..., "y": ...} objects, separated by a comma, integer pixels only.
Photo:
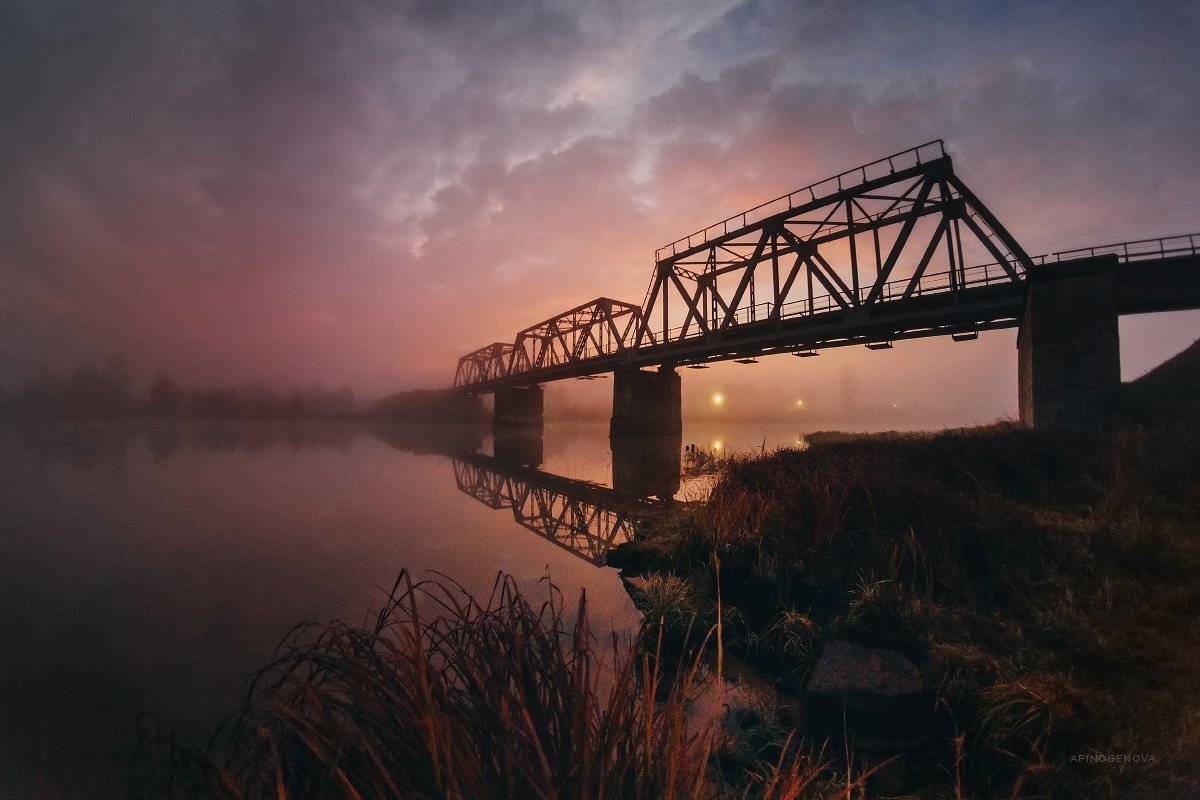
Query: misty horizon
[{"x": 853, "y": 398}]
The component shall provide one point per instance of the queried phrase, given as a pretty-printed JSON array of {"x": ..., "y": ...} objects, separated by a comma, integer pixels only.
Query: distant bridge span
[{"x": 895, "y": 249}]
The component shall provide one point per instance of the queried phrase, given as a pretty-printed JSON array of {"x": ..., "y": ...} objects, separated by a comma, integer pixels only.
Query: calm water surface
[{"x": 152, "y": 568}]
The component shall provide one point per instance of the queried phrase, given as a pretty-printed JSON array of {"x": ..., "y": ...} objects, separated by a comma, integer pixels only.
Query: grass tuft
[{"x": 443, "y": 696}]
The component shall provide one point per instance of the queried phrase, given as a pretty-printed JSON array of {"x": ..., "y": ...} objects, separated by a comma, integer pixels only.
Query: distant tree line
[
  {"x": 251, "y": 401},
  {"x": 104, "y": 390},
  {"x": 430, "y": 405},
  {"x": 93, "y": 389}
]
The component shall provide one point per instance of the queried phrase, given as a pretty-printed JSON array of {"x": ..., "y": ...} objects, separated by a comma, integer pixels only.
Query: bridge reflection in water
[{"x": 580, "y": 516}]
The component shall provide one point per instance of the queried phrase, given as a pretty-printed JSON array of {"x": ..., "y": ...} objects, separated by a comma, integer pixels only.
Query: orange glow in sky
[{"x": 305, "y": 199}]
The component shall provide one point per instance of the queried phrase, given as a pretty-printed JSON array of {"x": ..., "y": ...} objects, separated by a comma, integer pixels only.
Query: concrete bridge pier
[
  {"x": 646, "y": 403},
  {"x": 1068, "y": 347},
  {"x": 518, "y": 407}
]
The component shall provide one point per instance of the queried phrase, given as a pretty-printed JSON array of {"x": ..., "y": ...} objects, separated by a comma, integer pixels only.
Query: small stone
[
  {"x": 874, "y": 696},
  {"x": 847, "y": 668}
]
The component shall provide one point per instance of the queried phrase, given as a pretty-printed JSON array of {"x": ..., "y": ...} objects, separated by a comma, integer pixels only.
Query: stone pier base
[
  {"x": 519, "y": 407},
  {"x": 646, "y": 403}
]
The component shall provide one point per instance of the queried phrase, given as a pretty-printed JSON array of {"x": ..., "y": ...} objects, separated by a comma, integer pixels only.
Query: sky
[{"x": 359, "y": 193}]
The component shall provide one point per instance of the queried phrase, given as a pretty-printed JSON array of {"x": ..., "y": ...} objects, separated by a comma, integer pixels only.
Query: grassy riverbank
[{"x": 1046, "y": 586}]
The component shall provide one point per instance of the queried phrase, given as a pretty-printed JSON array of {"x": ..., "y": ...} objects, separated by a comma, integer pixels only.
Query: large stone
[{"x": 873, "y": 697}]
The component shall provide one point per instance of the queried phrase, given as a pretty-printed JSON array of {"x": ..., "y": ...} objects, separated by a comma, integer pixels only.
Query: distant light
[
  {"x": 894, "y": 405},
  {"x": 718, "y": 399},
  {"x": 718, "y": 445},
  {"x": 799, "y": 404}
]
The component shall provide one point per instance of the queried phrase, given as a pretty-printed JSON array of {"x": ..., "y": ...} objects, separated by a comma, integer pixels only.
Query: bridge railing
[
  {"x": 930, "y": 151},
  {"x": 1139, "y": 249},
  {"x": 981, "y": 275}
]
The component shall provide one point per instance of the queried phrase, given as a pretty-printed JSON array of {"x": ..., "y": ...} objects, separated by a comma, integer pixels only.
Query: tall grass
[{"x": 447, "y": 697}]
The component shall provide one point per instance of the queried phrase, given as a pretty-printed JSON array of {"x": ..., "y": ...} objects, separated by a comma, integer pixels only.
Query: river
[{"x": 150, "y": 568}]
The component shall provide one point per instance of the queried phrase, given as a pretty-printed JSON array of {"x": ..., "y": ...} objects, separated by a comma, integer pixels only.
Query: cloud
[{"x": 360, "y": 193}]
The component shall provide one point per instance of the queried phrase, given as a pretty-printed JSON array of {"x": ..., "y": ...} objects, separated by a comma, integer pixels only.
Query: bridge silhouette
[{"x": 895, "y": 249}]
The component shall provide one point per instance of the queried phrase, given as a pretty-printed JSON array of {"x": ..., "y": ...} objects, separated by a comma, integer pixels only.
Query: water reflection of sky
[
  {"x": 137, "y": 576},
  {"x": 152, "y": 568}
]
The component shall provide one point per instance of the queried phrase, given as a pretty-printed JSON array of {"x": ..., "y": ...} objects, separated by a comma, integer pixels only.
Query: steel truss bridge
[
  {"x": 582, "y": 517},
  {"x": 895, "y": 249}
]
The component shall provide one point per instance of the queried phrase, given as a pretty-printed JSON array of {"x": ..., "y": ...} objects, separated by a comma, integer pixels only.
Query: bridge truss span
[
  {"x": 590, "y": 334},
  {"x": 893, "y": 231},
  {"x": 896, "y": 248}
]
